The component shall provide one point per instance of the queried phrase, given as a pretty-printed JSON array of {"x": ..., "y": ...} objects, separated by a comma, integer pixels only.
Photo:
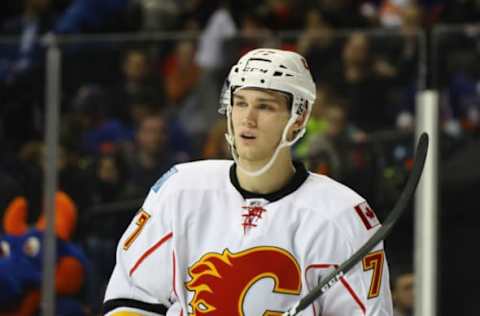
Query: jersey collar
[{"x": 297, "y": 180}]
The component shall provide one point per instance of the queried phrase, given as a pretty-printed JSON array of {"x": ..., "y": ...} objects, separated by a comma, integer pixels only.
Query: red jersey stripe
[
  {"x": 354, "y": 295},
  {"x": 174, "y": 272},
  {"x": 149, "y": 252},
  {"x": 344, "y": 282}
]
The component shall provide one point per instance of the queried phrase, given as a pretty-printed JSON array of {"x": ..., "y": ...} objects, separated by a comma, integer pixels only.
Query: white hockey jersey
[{"x": 200, "y": 245}]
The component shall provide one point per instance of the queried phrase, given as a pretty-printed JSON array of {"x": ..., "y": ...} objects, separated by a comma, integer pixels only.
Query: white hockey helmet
[{"x": 277, "y": 70}]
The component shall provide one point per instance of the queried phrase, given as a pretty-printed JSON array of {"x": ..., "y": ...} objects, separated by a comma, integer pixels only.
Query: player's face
[{"x": 258, "y": 117}]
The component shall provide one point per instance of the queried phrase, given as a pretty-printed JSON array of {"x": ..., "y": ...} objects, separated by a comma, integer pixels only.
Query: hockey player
[{"x": 251, "y": 236}]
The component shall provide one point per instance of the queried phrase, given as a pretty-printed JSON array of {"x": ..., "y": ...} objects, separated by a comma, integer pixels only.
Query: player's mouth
[{"x": 247, "y": 136}]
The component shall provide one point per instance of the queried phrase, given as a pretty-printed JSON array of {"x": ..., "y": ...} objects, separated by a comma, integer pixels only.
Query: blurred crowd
[{"x": 130, "y": 108}]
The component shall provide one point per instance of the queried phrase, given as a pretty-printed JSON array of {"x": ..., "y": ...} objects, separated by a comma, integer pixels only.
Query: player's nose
[{"x": 250, "y": 118}]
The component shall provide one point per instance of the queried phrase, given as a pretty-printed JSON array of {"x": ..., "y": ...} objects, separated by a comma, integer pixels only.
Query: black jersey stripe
[
  {"x": 295, "y": 182},
  {"x": 110, "y": 305}
]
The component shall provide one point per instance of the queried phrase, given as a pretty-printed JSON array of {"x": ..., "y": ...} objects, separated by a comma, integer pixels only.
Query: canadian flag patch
[{"x": 367, "y": 215}]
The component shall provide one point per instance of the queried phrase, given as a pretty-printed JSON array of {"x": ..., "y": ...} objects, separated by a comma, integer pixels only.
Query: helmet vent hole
[
  {"x": 236, "y": 70},
  {"x": 262, "y": 81},
  {"x": 243, "y": 79},
  {"x": 282, "y": 66},
  {"x": 277, "y": 73},
  {"x": 288, "y": 75}
]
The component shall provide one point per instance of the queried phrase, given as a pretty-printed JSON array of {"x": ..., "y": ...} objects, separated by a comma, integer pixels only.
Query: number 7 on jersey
[{"x": 374, "y": 261}]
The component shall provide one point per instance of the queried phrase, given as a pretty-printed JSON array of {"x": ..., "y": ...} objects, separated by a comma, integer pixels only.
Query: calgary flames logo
[{"x": 221, "y": 281}]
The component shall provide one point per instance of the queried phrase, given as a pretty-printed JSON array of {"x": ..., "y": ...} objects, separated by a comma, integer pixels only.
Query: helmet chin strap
[{"x": 283, "y": 143}]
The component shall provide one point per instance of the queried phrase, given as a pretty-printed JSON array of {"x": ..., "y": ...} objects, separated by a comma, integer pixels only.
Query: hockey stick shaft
[{"x": 332, "y": 278}]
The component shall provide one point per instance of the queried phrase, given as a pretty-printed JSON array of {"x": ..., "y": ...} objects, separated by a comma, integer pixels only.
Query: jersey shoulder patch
[
  {"x": 164, "y": 178},
  {"x": 367, "y": 215}
]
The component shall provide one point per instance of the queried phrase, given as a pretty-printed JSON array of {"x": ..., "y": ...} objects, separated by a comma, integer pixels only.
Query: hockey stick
[{"x": 332, "y": 278}]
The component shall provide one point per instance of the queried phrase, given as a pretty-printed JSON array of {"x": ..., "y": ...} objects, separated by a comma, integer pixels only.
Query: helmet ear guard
[
  {"x": 225, "y": 97},
  {"x": 283, "y": 71}
]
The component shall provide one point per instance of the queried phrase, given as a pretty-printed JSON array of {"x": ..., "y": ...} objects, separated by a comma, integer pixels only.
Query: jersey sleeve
[
  {"x": 143, "y": 277},
  {"x": 365, "y": 289}
]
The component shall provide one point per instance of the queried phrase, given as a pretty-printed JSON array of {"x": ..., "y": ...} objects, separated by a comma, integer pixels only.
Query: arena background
[{"x": 134, "y": 86}]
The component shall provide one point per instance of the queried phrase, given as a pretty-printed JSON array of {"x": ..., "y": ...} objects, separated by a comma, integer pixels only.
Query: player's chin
[
  {"x": 247, "y": 154},
  {"x": 247, "y": 142},
  {"x": 253, "y": 157}
]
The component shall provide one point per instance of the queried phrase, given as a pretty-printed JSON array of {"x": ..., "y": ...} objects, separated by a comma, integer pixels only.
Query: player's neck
[{"x": 272, "y": 180}]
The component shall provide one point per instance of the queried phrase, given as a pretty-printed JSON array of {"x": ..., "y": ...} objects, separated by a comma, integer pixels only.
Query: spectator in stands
[
  {"x": 220, "y": 26},
  {"x": 316, "y": 31},
  {"x": 109, "y": 177},
  {"x": 283, "y": 14},
  {"x": 21, "y": 97},
  {"x": 402, "y": 282},
  {"x": 95, "y": 129},
  {"x": 182, "y": 89},
  {"x": 211, "y": 58},
  {"x": 150, "y": 156},
  {"x": 317, "y": 42},
  {"x": 338, "y": 148},
  {"x": 317, "y": 124},
  {"x": 140, "y": 108},
  {"x": 215, "y": 146},
  {"x": 35, "y": 20},
  {"x": 136, "y": 70},
  {"x": 335, "y": 141},
  {"x": 343, "y": 13},
  {"x": 108, "y": 181},
  {"x": 391, "y": 12},
  {"x": 364, "y": 80},
  {"x": 82, "y": 16},
  {"x": 458, "y": 75},
  {"x": 463, "y": 115},
  {"x": 401, "y": 50},
  {"x": 253, "y": 33},
  {"x": 28, "y": 171},
  {"x": 181, "y": 74},
  {"x": 138, "y": 85},
  {"x": 158, "y": 15},
  {"x": 72, "y": 179},
  {"x": 407, "y": 54}
]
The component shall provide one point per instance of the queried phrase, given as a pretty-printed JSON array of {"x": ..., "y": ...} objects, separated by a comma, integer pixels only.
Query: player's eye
[
  {"x": 240, "y": 104},
  {"x": 4, "y": 249},
  {"x": 266, "y": 106}
]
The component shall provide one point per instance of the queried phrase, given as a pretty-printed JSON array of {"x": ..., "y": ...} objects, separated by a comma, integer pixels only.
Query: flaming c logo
[{"x": 221, "y": 281}]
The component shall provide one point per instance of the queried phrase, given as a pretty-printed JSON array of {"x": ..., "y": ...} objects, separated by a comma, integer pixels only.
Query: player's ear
[
  {"x": 297, "y": 125},
  {"x": 300, "y": 121}
]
